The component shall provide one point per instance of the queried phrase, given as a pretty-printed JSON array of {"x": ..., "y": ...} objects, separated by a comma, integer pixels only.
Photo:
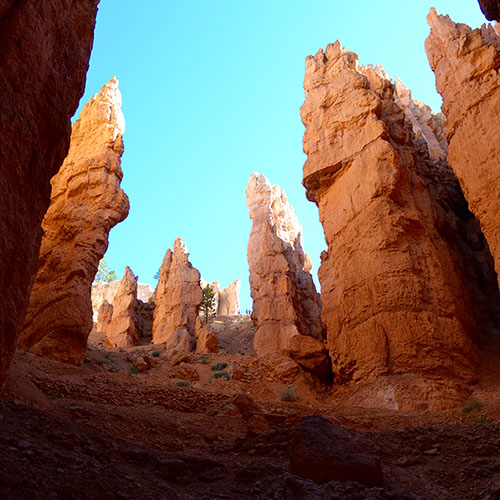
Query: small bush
[
  {"x": 156, "y": 354},
  {"x": 472, "y": 405},
  {"x": 113, "y": 369},
  {"x": 481, "y": 420},
  {"x": 134, "y": 370},
  {"x": 289, "y": 395},
  {"x": 218, "y": 367},
  {"x": 225, "y": 375},
  {"x": 182, "y": 383}
]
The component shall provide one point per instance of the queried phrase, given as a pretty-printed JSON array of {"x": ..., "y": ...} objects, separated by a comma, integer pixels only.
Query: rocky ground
[{"x": 181, "y": 430}]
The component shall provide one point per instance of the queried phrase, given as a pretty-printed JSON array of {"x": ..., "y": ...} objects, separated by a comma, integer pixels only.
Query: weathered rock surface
[
  {"x": 394, "y": 289},
  {"x": 323, "y": 452},
  {"x": 102, "y": 291},
  {"x": 229, "y": 300},
  {"x": 41, "y": 82},
  {"x": 206, "y": 340},
  {"x": 86, "y": 203},
  {"x": 490, "y": 9},
  {"x": 123, "y": 329},
  {"x": 466, "y": 63},
  {"x": 178, "y": 297},
  {"x": 105, "y": 315},
  {"x": 285, "y": 301}
]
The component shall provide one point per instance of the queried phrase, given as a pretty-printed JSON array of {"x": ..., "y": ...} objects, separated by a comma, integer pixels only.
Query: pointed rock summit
[
  {"x": 123, "y": 330},
  {"x": 86, "y": 203},
  {"x": 285, "y": 301},
  {"x": 41, "y": 83},
  {"x": 178, "y": 297},
  {"x": 466, "y": 63}
]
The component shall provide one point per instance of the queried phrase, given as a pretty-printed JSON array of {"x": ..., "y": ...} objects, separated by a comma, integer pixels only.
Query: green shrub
[
  {"x": 156, "y": 354},
  {"x": 481, "y": 420},
  {"x": 182, "y": 383},
  {"x": 134, "y": 370},
  {"x": 225, "y": 375},
  {"x": 289, "y": 395},
  {"x": 472, "y": 405},
  {"x": 218, "y": 367}
]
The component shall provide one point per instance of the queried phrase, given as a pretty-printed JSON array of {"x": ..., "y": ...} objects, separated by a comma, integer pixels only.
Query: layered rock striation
[
  {"x": 285, "y": 301},
  {"x": 466, "y": 63},
  {"x": 86, "y": 203},
  {"x": 178, "y": 297},
  {"x": 123, "y": 329},
  {"x": 396, "y": 294},
  {"x": 41, "y": 82}
]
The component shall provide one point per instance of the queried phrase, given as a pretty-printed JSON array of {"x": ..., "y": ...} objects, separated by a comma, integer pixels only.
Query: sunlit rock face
[
  {"x": 178, "y": 297},
  {"x": 490, "y": 9},
  {"x": 123, "y": 329},
  {"x": 86, "y": 202},
  {"x": 285, "y": 301},
  {"x": 229, "y": 300},
  {"x": 466, "y": 63},
  {"x": 397, "y": 295},
  {"x": 41, "y": 83}
]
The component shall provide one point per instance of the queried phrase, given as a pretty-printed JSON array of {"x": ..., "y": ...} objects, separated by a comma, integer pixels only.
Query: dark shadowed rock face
[
  {"x": 45, "y": 49},
  {"x": 323, "y": 452},
  {"x": 491, "y": 9}
]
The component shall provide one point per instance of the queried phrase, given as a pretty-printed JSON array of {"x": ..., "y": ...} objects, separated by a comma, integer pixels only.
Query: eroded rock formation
[
  {"x": 467, "y": 64},
  {"x": 229, "y": 300},
  {"x": 104, "y": 316},
  {"x": 178, "y": 297},
  {"x": 41, "y": 83},
  {"x": 490, "y": 9},
  {"x": 123, "y": 329},
  {"x": 285, "y": 302},
  {"x": 86, "y": 203},
  {"x": 395, "y": 291}
]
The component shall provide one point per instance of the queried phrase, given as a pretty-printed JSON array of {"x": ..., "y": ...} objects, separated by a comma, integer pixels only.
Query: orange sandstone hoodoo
[
  {"x": 396, "y": 295},
  {"x": 40, "y": 86},
  {"x": 86, "y": 203}
]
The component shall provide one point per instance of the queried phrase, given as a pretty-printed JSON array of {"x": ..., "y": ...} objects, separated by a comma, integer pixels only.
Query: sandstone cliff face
[
  {"x": 393, "y": 293},
  {"x": 490, "y": 9},
  {"x": 106, "y": 291},
  {"x": 86, "y": 203},
  {"x": 285, "y": 302},
  {"x": 105, "y": 315},
  {"x": 467, "y": 64},
  {"x": 123, "y": 329},
  {"x": 229, "y": 300},
  {"x": 178, "y": 297},
  {"x": 41, "y": 82}
]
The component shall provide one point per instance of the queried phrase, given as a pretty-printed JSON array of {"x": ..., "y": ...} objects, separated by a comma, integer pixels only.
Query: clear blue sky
[{"x": 211, "y": 93}]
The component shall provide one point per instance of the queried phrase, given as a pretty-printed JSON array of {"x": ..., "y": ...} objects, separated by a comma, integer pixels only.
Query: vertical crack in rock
[{"x": 86, "y": 203}]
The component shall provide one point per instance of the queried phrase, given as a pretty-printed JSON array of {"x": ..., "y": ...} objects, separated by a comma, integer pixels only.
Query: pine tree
[
  {"x": 104, "y": 273},
  {"x": 208, "y": 302}
]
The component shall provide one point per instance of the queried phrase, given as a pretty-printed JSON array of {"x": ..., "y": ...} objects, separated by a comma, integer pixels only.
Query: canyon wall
[
  {"x": 396, "y": 296},
  {"x": 43, "y": 63},
  {"x": 178, "y": 297},
  {"x": 466, "y": 63},
  {"x": 86, "y": 203},
  {"x": 229, "y": 300},
  {"x": 285, "y": 301},
  {"x": 490, "y": 9}
]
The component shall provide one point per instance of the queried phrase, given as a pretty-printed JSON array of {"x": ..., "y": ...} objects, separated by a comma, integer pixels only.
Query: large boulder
[
  {"x": 323, "y": 452},
  {"x": 178, "y": 297},
  {"x": 285, "y": 301},
  {"x": 396, "y": 294},
  {"x": 41, "y": 82},
  {"x": 86, "y": 203}
]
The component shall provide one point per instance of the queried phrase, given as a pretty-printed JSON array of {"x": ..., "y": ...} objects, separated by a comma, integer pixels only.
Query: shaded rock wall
[
  {"x": 178, "y": 297},
  {"x": 45, "y": 49},
  {"x": 86, "y": 203},
  {"x": 392, "y": 281},
  {"x": 490, "y": 9},
  {"x": 285, "y": 302},
  {"x": 466, "y": 63}
]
